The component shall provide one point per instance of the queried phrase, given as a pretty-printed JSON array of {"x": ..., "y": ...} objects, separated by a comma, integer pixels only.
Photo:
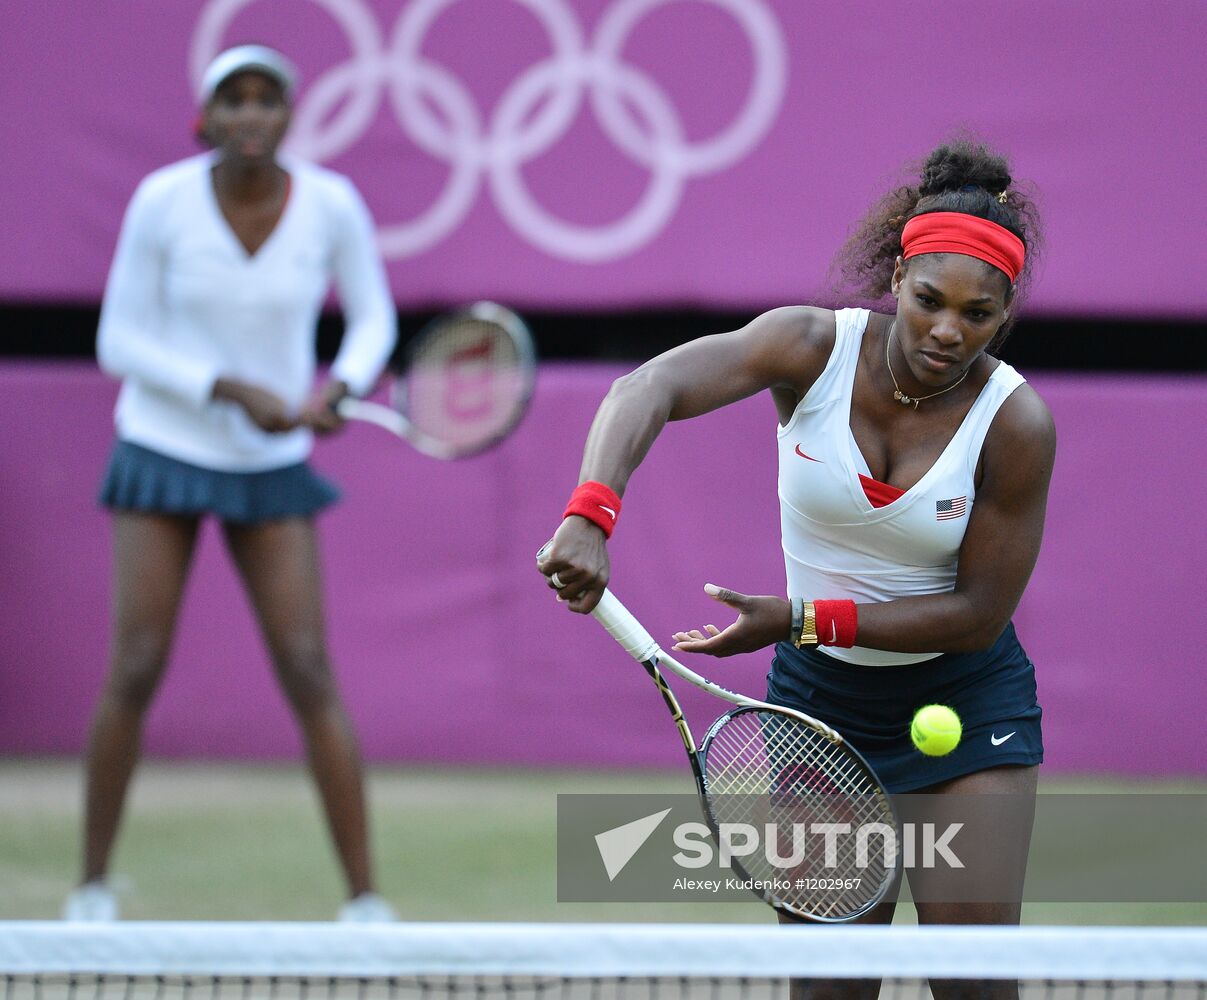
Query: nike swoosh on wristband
[
  {"x": 809, "y": 457},
  {"x": 996, "y": 742},
  {"x": 833, "y": 633},
  {"x": 609, "y": 511}
]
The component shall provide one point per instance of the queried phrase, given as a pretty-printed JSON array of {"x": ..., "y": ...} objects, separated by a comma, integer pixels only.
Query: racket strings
[
  {"x": 781, "y": 776},
  {"x": 465, "y": 383}
]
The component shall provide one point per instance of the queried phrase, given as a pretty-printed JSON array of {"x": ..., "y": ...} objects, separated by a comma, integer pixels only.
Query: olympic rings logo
[{"x": 338, "y": 107}]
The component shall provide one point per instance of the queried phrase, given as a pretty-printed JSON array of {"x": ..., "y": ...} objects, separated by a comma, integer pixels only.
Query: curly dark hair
[{"x": 962, "y": 175}]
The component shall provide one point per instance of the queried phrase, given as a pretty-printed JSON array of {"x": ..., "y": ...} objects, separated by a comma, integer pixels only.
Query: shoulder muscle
[
  {"x": 791, "y": 345},
  {"x": 782, "y": 350},
  {"x": 1020, "y": 448}
]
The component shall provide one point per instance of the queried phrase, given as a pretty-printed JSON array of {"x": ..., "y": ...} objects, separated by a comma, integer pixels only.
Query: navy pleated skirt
[
  {"x": 140, "y": 479},
  {"x": 992, "y": 691}
]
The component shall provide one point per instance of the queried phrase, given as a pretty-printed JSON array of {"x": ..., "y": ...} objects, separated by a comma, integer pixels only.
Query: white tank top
[{"x": 836, "y": 544}]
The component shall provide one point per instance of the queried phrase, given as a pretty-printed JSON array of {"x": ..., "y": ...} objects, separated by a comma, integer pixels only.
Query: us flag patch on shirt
[{"x": 946, "y": 510}]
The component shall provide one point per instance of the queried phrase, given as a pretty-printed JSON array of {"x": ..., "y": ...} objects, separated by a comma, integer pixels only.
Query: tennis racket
[
  {"x": 464, "y": 384},
  {"x": 781, "y": 772}
]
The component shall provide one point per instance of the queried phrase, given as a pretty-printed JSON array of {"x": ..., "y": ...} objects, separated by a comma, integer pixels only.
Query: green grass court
[{"x": 225, "y": 841}]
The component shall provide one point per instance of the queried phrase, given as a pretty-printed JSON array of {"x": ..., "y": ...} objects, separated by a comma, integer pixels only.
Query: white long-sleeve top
[{"x": 185, "y": 304}]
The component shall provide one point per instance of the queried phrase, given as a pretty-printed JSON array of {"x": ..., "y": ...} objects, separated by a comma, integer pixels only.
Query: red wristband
[
  {"x": 598, "y": 503},
  {"x": 836, "y": 623}
]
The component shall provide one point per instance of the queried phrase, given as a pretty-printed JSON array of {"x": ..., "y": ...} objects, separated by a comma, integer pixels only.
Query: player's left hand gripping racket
[
  {"x": 761, "y": 764},
  {"x": 464, "y": 385}
]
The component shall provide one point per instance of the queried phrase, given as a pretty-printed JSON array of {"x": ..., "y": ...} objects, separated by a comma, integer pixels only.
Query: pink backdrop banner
[
  {"x": 450, "y": 648},
  {"x": 605, "y": 153}
]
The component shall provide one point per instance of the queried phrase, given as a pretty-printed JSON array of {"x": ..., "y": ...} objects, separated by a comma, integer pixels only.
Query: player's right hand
[
  {"x": 320, "y": 413},
  {"x": 578, "y": 555}
]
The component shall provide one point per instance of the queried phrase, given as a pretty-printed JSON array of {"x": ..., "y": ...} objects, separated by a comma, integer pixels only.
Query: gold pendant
[{"x": 902, "y": 398}]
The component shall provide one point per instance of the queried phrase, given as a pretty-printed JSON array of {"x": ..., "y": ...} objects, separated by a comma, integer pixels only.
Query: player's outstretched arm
[{"x": 783, "y": 350}]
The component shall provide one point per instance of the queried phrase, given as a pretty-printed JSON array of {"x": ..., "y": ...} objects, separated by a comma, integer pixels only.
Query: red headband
[{"x": 957, "y": 232}]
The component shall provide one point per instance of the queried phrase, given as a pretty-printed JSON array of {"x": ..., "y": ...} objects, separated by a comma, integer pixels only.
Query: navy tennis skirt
[
  {"x": 140, "y": 479},
  {"x": 992, "y": 691}
]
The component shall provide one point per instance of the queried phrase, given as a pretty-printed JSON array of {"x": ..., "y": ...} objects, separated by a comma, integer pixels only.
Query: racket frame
[
  {"x": 393, "y": 417},
  {"x": 639, "y": 644}
]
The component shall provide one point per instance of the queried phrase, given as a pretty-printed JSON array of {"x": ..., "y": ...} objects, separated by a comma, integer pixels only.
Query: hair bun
[{"x": 963, "y": 164}]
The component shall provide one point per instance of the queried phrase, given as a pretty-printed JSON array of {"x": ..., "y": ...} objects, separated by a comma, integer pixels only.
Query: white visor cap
[{"x": 245, "y": 58}]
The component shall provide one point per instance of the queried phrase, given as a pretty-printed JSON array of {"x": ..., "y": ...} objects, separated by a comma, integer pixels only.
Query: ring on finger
[{"x": 556, "y": 581}]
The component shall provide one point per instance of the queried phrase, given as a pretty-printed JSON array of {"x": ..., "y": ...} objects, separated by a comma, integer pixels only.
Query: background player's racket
[
  {"x": 761, "y": 764},
  {"x": 463, "y": 386}
]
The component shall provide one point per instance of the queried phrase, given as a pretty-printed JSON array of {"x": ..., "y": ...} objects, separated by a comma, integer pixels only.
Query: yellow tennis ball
[{"x": 936, "y": 730}]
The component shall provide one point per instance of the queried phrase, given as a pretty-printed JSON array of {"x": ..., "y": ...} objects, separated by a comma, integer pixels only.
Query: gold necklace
[{"x": 901, "y": 397}]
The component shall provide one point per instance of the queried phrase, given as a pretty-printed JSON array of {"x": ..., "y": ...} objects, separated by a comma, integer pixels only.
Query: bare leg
[
  {"x": 1006, "y": 858},
  {"x": 151, "y": 554},
  {"x": 279, "y": 563},
  {"x": 841, "y": 989}
]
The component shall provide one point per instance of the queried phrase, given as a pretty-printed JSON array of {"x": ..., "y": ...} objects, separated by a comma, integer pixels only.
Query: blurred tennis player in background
[
  {"x": 913, "y": 480},
  {"x": 209, "y": 318}
]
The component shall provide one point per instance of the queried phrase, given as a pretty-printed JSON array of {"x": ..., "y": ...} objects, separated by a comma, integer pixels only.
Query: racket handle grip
[
  {"x": 621, "y": 625},
  {"x": 625, "y": 629}
]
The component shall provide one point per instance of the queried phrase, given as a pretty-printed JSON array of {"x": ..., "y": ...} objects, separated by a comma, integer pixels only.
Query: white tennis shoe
[
  {"x": 367, "y": 908},
  {"x": 93, "y": 902}
]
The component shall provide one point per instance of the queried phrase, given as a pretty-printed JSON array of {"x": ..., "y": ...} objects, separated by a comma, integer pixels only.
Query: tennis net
[{"x": 165, "y": 961}]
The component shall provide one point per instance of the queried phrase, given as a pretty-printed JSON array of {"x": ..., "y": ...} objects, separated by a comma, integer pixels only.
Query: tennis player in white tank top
[{"x": 903, "y": 582}]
